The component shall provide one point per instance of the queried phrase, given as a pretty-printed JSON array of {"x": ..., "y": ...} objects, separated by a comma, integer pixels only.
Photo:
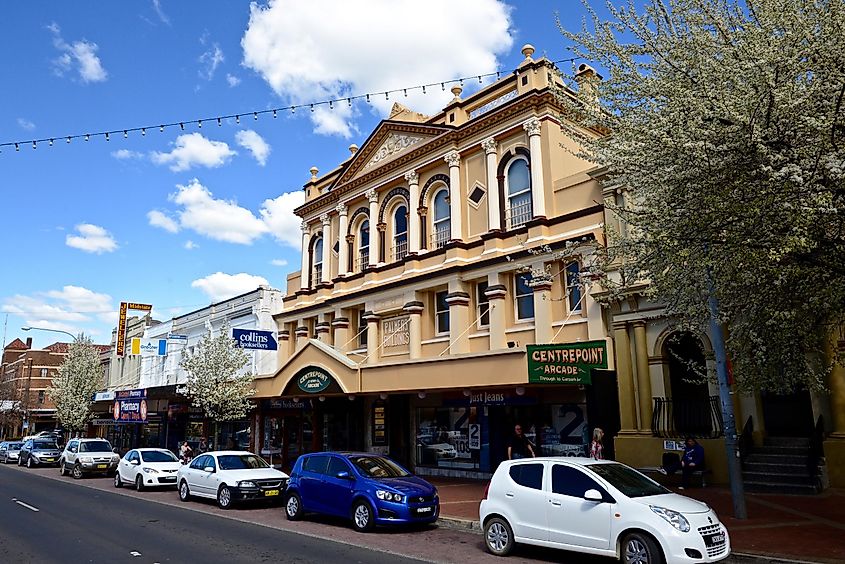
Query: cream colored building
[{"x": 406, "y": 328}]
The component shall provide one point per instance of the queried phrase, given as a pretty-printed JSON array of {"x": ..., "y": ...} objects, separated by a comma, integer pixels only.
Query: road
[{"x": 90, "y": 521}]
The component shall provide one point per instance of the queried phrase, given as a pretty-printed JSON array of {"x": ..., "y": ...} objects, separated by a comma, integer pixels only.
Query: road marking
[
  {"x": 28, "y": 506},
  {"x": 135, "y": 553}
]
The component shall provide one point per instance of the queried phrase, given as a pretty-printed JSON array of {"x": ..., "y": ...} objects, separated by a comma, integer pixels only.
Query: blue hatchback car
[{"x": 370, "y": 489}]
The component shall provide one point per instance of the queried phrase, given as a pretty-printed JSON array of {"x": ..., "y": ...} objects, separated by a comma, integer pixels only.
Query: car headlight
[
  {"x": 247, "y": 484},
  {"x": 86, "y": 459},
  {"x": 149, "y": 470},
  {"x": 390, "y": 496},
  {"x": 672, "y": 517}
]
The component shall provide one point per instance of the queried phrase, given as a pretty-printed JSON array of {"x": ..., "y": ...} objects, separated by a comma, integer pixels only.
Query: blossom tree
[
  {"x": 216, "y": 381},
  {"x": 73, "y": 388}
]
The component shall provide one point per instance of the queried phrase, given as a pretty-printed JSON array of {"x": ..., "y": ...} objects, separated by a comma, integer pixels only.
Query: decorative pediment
[{"x": 393, "y": 144}]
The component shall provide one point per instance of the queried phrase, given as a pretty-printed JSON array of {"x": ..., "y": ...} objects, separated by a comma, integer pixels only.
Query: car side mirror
[
  {"x": 593, "y": 495},
  {"x": 209, "y": 469},
  {"x": 344, "y": 476},
  {"x": 135, "y": 462}
]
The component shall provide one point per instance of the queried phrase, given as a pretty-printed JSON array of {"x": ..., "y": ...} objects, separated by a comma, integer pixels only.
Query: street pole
[
  {"x": 728, "y": 418},
  {"x": 28, "y": 385}
]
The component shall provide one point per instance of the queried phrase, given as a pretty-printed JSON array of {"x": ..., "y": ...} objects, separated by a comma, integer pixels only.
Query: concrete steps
[{"x": 780, "y": 465}]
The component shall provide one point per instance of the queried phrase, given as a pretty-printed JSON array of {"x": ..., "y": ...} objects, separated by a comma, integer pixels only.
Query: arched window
[
  {"x": 442, "y": 231},
  {"x": 363, "y": 245},
  {"x": 317, "y": 261},
  {"x": 400, "y": 232},
  {"x": 518, "y": 193}
]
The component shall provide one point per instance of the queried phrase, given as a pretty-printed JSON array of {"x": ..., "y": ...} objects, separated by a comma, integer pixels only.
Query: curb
[{"x": 465, "y": 525}]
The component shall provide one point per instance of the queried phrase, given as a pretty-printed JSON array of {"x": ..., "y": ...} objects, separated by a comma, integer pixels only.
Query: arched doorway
[{"x": 692, "y": 411}]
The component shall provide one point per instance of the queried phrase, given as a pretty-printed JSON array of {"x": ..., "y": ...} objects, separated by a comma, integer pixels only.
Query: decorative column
[
  {"x": 372, "y": 335},
  {"x": 413, "y": 180},
  {"x": 283, "y": 337},
  {"x": 538, "y": 192},
  {"x": 643, "y": 376},
  {"x": 414, "y": 310},
  {"x": 322, "y": 330},
  {"x": 343, "y": 247},
  {"x": 340, "y": 325},
  {"x": 458, "y": 321},
  {"x": 375, "y": 241},
  {"x": 326, "y": 275},
  {"x": 624, "y": 378},
  {"x": 542, "y": 287},
  {"x": 303, "y": 280},
  {"x": 453, "y": 159},
  {"x": 301, "y": 336},
  {"x": 422, "y": 212},
  {"x": 494, "y": 214},
  {"x": 496, "y": 294}
]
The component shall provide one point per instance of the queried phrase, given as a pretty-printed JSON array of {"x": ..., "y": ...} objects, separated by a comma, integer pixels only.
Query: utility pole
[{"x": 28, "y": 385}]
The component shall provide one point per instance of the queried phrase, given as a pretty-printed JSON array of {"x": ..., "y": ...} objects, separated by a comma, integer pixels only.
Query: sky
[{"x": 183, "y": 218}]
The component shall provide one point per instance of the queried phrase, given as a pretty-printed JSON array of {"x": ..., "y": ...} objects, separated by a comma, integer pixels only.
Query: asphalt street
[{"x": 46, "y": 520}]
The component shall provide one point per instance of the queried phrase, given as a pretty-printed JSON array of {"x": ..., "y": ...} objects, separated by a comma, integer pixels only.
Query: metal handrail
[
  {"x": 518, "y": 215},
  {"x": 701, "y": 419},
  {"x": 441, "y": 236},
  {"x": 816, "y": 447},
  {"x": 746, "y": 438}
]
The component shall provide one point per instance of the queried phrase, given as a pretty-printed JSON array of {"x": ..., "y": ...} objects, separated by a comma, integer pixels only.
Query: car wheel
[
  {"x": 77, "y": 472},
  {"x": 293, "y": 507},
  {"x": 638, "y": 548},
  {"x": 224, "y": 497},
  {"x": 184, "y": 492},
  {"x": 498, "y": 536},
  {"x": 139, "y": 483},
  {"x": 117, "y": 482},
  {"x": 62, "y": 469},
  {"x": 363, "y": 519}
]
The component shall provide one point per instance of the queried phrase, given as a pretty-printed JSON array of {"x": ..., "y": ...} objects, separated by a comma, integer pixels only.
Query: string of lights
[{"x": 219, "y": 119}]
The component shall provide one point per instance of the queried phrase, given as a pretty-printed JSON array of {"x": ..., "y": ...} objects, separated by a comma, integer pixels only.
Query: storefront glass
[{"x": 448, "y": 437}]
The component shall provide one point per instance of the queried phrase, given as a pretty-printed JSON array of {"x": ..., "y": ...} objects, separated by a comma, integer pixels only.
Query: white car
[
  {"x": 88, "y": 456},
  {"x": 229, "y": 476},
  {"x": 597, "y": 507},
  {"x": 147, "y": 467}
]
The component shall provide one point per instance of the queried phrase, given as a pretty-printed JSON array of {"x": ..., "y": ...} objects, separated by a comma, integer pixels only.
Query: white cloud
[
  {"x": 223, "y": 220},
  {"x": 161, "y": 219},
  {"x": 282, "y": 223},
  {"x": 279, "y": 262},
  {"x": 160, "y": 12},
  {"x": 190, "y": 245},
  {"x": 126, "y": 154},
  {"x": 342, "y": 56},
  {"x": 91, "y": 239},
  {"x": 232, "y": 80},
  {"x": 192, "y": 149},
  {"x": 255, "y": 144},
  {"x": 68, "y": 309},
  {"x": 25, "y": 124},
  {"x": 210, "y": 60},
  {"x": 80, "y": 56},
  {"x": 220, "y": 286}
]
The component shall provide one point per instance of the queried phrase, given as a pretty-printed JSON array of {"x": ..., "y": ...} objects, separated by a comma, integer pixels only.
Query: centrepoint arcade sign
[{"x": 568, "y": 363}]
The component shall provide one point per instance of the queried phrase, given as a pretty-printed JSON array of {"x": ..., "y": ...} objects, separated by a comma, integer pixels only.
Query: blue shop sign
[{"x": 255, "y": 339}]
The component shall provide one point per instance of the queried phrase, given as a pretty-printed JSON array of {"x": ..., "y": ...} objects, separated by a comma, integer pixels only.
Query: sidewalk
[{"x": 803, "y": 528}]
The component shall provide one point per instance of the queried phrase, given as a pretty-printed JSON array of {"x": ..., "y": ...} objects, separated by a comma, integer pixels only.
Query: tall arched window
[
  {"x": 400, "y": 232},
  {"x": 363, "y": 245},
  {"x": 317, "y": 261},
  {"x": 518, "y": 193},
  {"x": 442, "y": 231}
]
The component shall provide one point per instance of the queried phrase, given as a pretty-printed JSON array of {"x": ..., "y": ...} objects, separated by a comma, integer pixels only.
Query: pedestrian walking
[
  {"x": 520, "y": 446},
  {"x": 203, "y": 446},
  {"x": 596, "y": 447},
  {"x": 186, "y": 453}
]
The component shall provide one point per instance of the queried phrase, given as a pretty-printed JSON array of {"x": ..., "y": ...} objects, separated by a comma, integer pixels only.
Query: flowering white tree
[
  {"x": 723, "y": 122},
  {"x": 78, "y": 379},
  {"x": 216, "y": 382}
]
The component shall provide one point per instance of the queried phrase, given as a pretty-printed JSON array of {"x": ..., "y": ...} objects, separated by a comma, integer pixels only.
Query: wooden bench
[{"x": 655, "y": 473}]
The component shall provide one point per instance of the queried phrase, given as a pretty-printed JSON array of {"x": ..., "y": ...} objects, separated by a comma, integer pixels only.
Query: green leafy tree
[
  {"x": 723, "y": 124},
  {"x": 216, "y": 381},
  {"x": 73, "y": 388}
]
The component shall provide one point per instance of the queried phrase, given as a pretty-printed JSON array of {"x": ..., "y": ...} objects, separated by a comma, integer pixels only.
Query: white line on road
[
  {"x": 28, "y": 506},
  {"x": 135, "y": 553}
]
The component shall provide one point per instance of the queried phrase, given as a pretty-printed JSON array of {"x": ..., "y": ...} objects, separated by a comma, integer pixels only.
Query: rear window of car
[
  {"x": 528, "y": 475},
  {"x": 316, "y": 463},
  {"x": 94, "y": 446}
]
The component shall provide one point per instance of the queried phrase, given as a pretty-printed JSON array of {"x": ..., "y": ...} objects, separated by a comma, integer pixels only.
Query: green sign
[
  {"x": 314, "y": 381},
  {"x": 565, "y": 364}
]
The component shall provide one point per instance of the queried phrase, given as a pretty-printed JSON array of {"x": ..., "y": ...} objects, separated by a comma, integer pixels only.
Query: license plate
[
  {"x": 425, "y": 509},
  {"x": 49, "y": 460},
  {"x": 271, "y": 492},
  {"x": 102, "y": 465},
  {"x": 714, "y": 540}
]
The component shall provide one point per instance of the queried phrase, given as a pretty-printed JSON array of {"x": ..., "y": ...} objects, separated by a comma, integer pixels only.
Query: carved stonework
[
  {"x": 394, "y": 143},
  {"x": 532, "y": 126},
  {"x": 372, "y": 196},
  {"x": 489, "y": 145},
  {"x": 324, "y": 218},
  {"x": 493, "y": 104},
  {"x": 304, "y": 226},
  {"x": 341, "y": 209},
  {"x": 453, "y": 158},
  {"x": 412, "y": 177}
]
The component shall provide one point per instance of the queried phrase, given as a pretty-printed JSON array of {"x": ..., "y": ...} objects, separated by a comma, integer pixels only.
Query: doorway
[
  {"x": 788, "y": 415},
  {"x": 690, "y": 406}
]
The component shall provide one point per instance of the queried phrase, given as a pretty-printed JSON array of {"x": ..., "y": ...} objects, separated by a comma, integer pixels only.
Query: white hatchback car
[
  {"x": 597, "y": 507},
  {"x": 229, "y": 476},
  {"x": 147, "y": 467}
]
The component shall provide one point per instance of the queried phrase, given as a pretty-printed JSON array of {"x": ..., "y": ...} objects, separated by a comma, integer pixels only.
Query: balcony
[
  {"x": 699, "y": 418},
  {"x": 362, "y": 260},
  {"x": 317, "y": 274},
  {"x": 518, "y": 214},
  {"x": 442, "y": 234},
  {"x": 400, "y": 250}
]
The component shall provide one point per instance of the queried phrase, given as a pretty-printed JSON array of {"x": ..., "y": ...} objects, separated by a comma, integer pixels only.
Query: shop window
[
  {"x": 444, "y": 437},
  {"x": 523, "y": 297},
  {"x": 441, "y": 313},
  {"x": 528, "y": 475},
  {"x": 482, "y": 305},
  {"x": 573, "y": 286},
  {"x": 362, "y": 330},
  {"x": 572, "y": 482},
  {"x": 518, "y": 191}
]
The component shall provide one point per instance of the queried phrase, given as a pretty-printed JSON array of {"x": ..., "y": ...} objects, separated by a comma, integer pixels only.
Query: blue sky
[{"x": 183, "y": 218}]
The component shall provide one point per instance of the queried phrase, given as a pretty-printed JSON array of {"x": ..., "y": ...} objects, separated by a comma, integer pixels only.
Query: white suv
[
  {"x": 597, "y": 507},
  {"x": 88, "y": 456}
]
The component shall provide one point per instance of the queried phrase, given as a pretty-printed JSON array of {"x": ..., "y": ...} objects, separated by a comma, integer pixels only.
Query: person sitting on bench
[{"x": 691, "y": 461}]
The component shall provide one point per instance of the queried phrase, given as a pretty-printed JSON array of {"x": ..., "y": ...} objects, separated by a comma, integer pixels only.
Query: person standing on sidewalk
[
  {"x": 520, "y": 446},
  {"x": 596, "y": 447}
]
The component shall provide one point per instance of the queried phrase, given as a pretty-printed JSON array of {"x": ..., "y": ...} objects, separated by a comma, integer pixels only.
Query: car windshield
[
  {"x": 627, "y": 480},
  {"x": 240, "y": 462},
  {"x": 158, "y": 456},
  {"x": 15, "y": 446},
  {"x": 377, "y": 467},
  {"x": 44, "y": 445},
  {"x": 95, "y": 446}
]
